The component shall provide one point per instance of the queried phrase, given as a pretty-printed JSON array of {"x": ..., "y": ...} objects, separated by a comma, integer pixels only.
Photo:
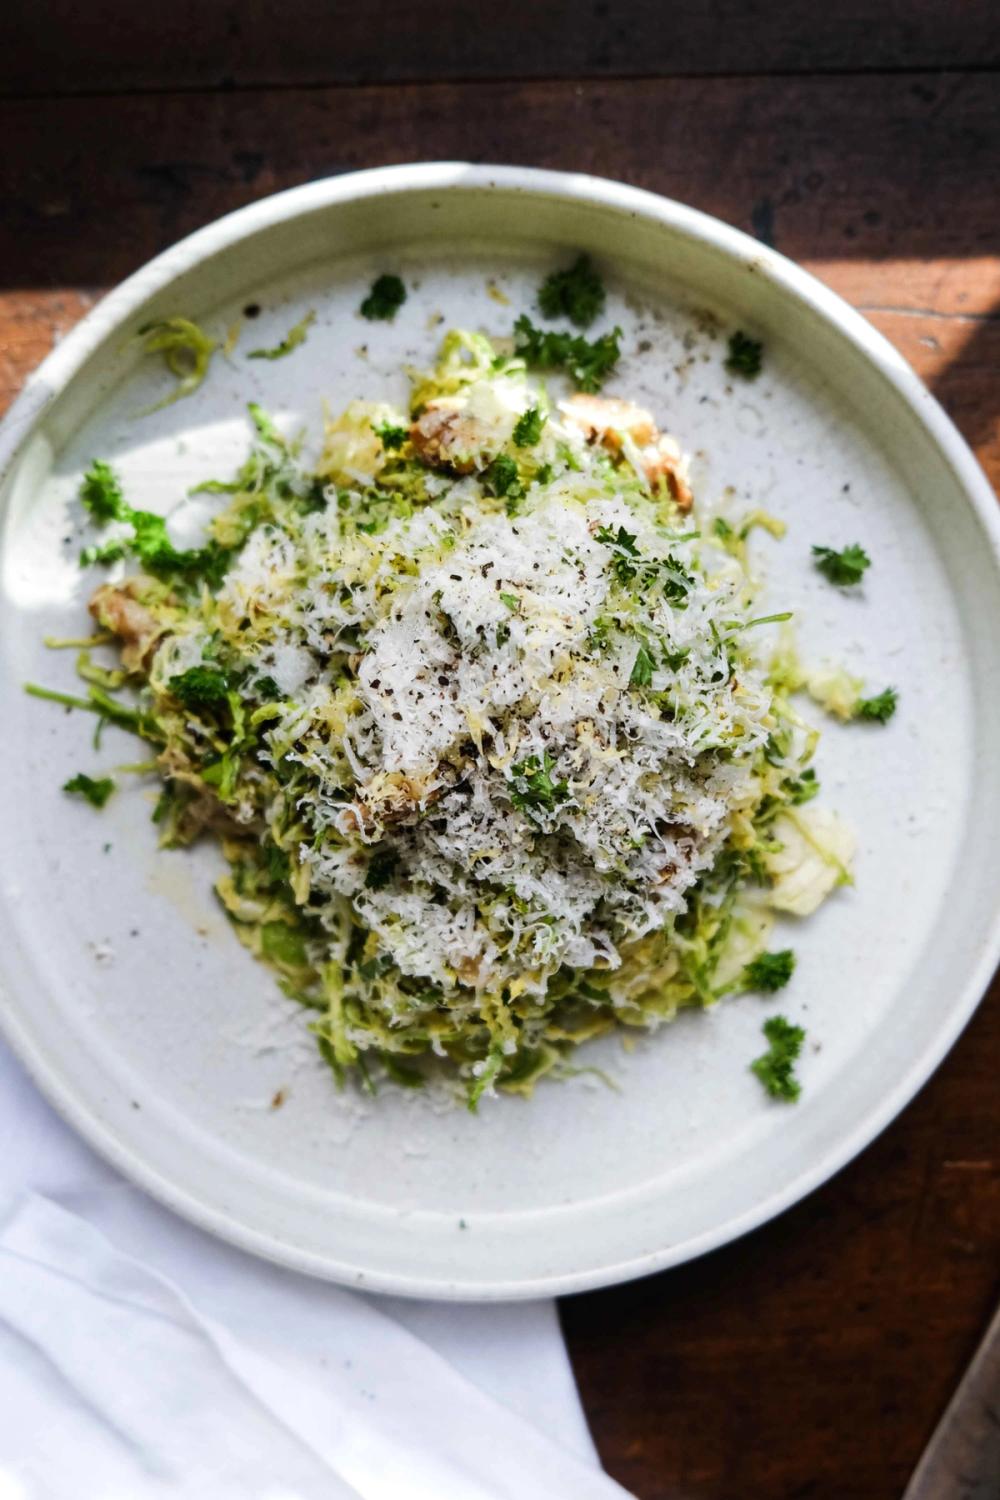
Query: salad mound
[{"x": 473, "y": 706}]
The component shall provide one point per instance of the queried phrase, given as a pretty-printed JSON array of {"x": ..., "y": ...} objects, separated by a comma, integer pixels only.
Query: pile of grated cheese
[
  {"x": 526, "y": 725},
  {"x": 473, "y": 707}
]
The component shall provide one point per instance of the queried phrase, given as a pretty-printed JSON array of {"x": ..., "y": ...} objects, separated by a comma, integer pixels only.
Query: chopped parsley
[
  {"x": 200, "y": 687},
  {"x": 577, "y": 293},
  {"x": 622, "y": 539},
  {"x": 386, "y": 297},
  {"x": 776, "y": 1067},
  {"x": 389, "y": 436},
  {"x": 769, "y": 972},
  {"x": 599, "y": 636},
  {"x": 745, "y": 357},
  {"x": 534, "y": 790},
  {"x": 152, "y": 546},
  {"x": 642, "y": 670},
  {"x": 588, "y": 363},
  {"x": 512, "y": 602},
  {"x": 528, "y": 427},
  {"x": 629, "y": 565},
  {"x": 846, "y": 567},
  {"x": 95, "y": 792},
  {"x": 293, "y": 338},
  {"x": 879, "y": 709},
  {"x": 674, "y": 660},
  {"x": 623, "y": 545},
  {"x": 501, "y": 476},
  {"x": 101, "y": 492}
]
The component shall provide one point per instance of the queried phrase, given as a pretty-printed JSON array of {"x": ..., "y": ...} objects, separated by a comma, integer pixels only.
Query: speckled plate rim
[{"x": 118, "y": 307}]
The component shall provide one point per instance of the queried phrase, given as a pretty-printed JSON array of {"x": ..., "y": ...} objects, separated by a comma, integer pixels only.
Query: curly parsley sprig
[
  {"x": 577, "y": 293},
  {"x": 528, "y": 427},
  {"x": 533, "y": 790},
  {"x": 877, "y": 710},
  {"x": 386, "y": 297},
  {"x": 846, "y": 567},
  {"x": 769, "y": 972},
  {"x": 587, "y": 362},
  {"x": 96, "y": 791},
  {"x": 745, "y": 357},
  {"x": 101, "y": 494},
  {"x": 776, "y": 1067}
]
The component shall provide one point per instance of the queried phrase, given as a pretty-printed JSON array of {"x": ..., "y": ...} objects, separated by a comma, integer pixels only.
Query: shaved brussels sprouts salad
[{"x": 479, "y": 711}]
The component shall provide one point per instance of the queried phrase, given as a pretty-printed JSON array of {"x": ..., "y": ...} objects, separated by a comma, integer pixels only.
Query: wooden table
[{"x": 862, "y": 139}]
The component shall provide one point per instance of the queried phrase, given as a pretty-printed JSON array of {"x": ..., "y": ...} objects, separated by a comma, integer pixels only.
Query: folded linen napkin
[{"x": 141, "y": 1358}]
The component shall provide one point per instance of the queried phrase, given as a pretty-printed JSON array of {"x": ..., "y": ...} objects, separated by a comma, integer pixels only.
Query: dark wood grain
[
  {"x": 61, "y": 46},
  {"x": 813, "y": 1358},
  {"x": 962, "y": 1460},
  {"x": 882, "y": 185},
  {"x": 857, "y": 169}
]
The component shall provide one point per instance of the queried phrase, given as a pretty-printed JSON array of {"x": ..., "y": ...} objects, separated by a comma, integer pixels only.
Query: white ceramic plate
[{"x": 164, "y": 1043}]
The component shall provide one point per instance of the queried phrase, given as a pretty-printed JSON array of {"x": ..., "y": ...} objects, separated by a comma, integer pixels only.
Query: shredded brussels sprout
[
  {"x": 476, "y": 715},
  {"x": 187, "y": 351}
]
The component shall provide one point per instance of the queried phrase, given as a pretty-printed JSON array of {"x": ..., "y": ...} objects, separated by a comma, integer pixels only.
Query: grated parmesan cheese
[
  {"x": 493, "y": 764},
  {"x": 477, "y": 655}
]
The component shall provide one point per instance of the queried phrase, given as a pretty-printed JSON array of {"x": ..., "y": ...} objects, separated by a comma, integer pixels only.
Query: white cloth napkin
[{"x": 140, "y": 1359}]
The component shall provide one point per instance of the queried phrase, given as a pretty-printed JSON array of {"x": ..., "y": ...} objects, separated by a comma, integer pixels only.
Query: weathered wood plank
[
  {"x": 813, "y": 1358},
  {"x": 876, "y": 183},
  {"x": 59, "y": 46},
  {"x": 834, "y": 170},
  {"x": 31, "y": 323}
]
